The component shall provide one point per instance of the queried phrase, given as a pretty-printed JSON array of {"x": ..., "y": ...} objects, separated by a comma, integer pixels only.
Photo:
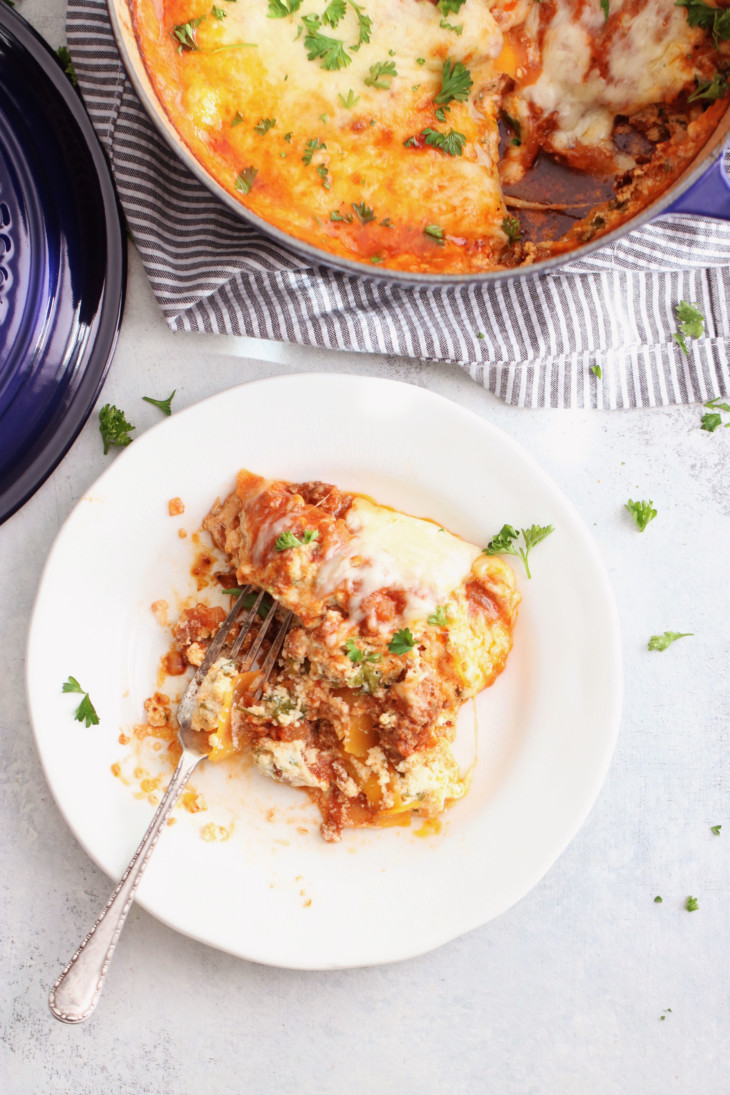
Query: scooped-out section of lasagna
[
  {"x": 397, "y": 624},
  {"x": 445, "y": 136}
]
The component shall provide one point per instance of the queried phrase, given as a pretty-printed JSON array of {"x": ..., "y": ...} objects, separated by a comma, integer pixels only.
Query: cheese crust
[
  {"x": 397, "y": 624},
  {"x": 352, "y": 127}
]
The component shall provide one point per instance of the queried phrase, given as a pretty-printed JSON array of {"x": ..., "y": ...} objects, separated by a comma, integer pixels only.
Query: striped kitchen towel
[{"x": 598, "y": 333}]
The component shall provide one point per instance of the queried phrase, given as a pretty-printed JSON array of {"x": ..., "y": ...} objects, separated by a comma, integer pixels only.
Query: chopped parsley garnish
[
  {"x": 452, "y": 143},
  {"x": 250, "y": 599},
  {"x": 387, "y": 223},
  {"x": 410, "y": 142},
  {"x": 356, "y": 655},
  {"x": 289, "y": 540},
  {"x": 263, "y": 125},
  {"x": 402, "y": 642},
  {"x": 244, "y": 179},
  {"x": 85, "y": 711},
  {"x": 702, "y": 15},
  {"x": 334, "y": 13},
  {"x": 512, "y": 229},
  {"x": 324, "y": 176},
  {"x": 597, "y": 371},
  {"x": 658, "y": 900},
  {"x": 185, "y": 34},
  {"x": 350, "y": 101},
  {"x": 692, "y": 904},
  {"x": 440, "y": 616},
  {"x": 237, "y": 118},
  {"x": 113, "y": 427},
  {"x": 420, "y": 60},
  {"x": 458, "y": 28},
  {"x": 515, "y": 127},
  {"x": 376, "y": 259},
  {"x": 604, "y": 9},
  {"x": 711, "y": 90},
  {"x": 642, "y": 513},
  {"x": 67, "y": 63},
  {"x": 503, "y": 542},
  {"x": 335, "y": 215},
  {"x": 315, "y": 145},
  {"x": 456, "y": 83},
  {"x": 450, "y": 7},
  {"x": 163, "y": 404},
  {"x": 364, "y": 25},
  {"x": 218, "y": 13},
  {"x": 715, "y": 829},
  {"x": 435, "y": 232},
  {"x": 661, "y": 642},
  {"x": 711, "y": 421},
  {"x": 330, "y": 51},
  {"x": 279, "y": 9},
  {"x": 381, "y": 75},
  {"x": 364, "y": 213},
  {"x": 691, "y": 321}
]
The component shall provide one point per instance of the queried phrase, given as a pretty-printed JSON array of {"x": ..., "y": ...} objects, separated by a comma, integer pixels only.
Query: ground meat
[
  {"x": 324, "y": 496},
  {"x": 197, "y": 624}
]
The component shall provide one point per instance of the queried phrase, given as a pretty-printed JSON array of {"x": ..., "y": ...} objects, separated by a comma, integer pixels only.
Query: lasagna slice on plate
[{"x": 397, "y": 623}]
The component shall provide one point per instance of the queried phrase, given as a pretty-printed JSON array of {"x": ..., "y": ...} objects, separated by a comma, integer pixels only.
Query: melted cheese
[{"x": 390, "y": 550}]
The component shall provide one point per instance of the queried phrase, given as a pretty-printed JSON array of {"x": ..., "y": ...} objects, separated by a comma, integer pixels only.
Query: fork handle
[{"x": 76, "y": 992}]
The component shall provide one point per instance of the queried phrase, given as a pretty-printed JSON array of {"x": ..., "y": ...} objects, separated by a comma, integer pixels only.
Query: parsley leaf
[
  {"x": 364, "y": 213},
  {"x": 279, "y": 9},
  {"x": 716, "y": 829},
  {"x": 402, "y": 642},
  {"x": 458, "y": 29},
  {"x": 335, "y": 215},
  {"x": 512, "y": 229},
  {"x": 364, "y": 24},
  {"x": 711, "y": 90},
  {"x": 315, "y": 145},
  {"x": 642, "y": 513},
  {"x": 503, "y": 542},
  {"x": 604, "y": 9},
  {"x": 113, "y": 427},
  {"x": 356, "y": 655},
  {"x": 218, "y": 13},
  {"x": 244, "y": 179},
  {"x": 330, "y": 51},
  {"x": 452, "y": 143},
  {"x": 449, "y": 7},
  {"x": 350, "y": 101},
  {"x": 691, "y": 322},
  {"x": 85, "y": 712},
  {"x": 435, "y": 232},
  {"x": 289, "y": 540},
  {"x": 710, "y": 422},
  {"x": 163, "y": 404},
  {"x": 250, "y": 599},
  {"x": 456, "y": 83},
  {"x": 702, "y": 15},
  {"x": 715, "y": 404},
  {"x": 597, "y": 371},
  {"x": 692, "y": 904},
  {"x": 658, "y": 900},
  {"x": 236, "y": 119},
  {"x": 334, "y": 12},
  {"x": 440, "y": 616},
  {"x": 661, "y": 642},
  {"x": 68, "y": 66},
  {"x": 381, "y": 75},
  {"x": 263, "y": 125},
  {"x": 184, "y": 34}
]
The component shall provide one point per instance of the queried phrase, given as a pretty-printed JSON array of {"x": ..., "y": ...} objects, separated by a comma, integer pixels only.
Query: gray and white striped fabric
[{"x": 532, "y": 342}]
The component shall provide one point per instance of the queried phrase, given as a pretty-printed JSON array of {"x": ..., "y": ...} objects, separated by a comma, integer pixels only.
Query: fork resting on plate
[{"x": 76, "y": 992}]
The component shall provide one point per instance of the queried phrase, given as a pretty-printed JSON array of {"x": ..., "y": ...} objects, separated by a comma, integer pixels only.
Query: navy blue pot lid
[{"x": 62, "y": 263}]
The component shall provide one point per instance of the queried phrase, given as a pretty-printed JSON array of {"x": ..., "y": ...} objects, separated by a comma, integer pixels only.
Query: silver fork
[{"x": 76, "y": 992}]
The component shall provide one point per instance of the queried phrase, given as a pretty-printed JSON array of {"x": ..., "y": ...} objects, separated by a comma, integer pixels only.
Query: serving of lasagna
[
  {"x": 397, "y": 623},
  {"x": 445, "y": 136}
]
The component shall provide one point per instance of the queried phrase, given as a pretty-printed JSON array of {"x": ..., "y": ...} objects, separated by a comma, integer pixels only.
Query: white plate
[{"x": 275, "y": 892}]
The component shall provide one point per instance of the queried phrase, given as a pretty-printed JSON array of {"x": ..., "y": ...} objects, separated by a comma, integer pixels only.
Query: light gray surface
[{"x": 561, "y": 995}]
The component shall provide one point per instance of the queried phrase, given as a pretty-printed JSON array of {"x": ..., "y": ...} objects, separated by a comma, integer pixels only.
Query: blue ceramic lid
[{"x": 62, "y": 263}]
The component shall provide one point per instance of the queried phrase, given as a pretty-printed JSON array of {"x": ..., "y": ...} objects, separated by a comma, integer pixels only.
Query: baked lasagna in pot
[
  {"x": 445, "y": 136},
  {"x": 397, "y": 623}
]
